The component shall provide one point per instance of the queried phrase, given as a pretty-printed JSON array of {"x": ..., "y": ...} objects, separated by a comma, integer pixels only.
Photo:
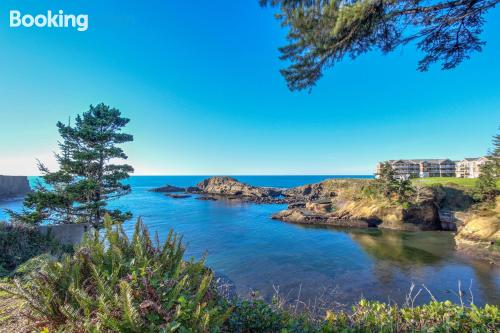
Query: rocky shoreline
[
  {"x": 332, "y": 202},
  {"x": 341, "y": 203}
]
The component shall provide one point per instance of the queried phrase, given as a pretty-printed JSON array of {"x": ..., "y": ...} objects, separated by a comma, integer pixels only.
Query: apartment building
[
  {"x": 415, "y": 168},
  {"x": 470, "y": 167}
]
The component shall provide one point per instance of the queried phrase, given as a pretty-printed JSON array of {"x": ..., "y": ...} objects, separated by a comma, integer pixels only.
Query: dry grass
[{"x": 12, "y": 318}]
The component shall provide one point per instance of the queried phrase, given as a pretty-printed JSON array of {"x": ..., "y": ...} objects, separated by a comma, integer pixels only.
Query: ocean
[{"x": 259, "y": 255}]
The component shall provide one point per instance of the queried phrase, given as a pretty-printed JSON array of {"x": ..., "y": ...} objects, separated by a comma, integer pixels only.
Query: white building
[{"x": 470, "y": 167}]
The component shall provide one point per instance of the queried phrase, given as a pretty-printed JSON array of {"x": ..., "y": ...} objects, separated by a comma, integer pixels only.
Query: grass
[{"x": 462, "y": 182}]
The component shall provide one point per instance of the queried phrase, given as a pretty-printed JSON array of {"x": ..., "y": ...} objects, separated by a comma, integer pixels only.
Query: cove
[{"x": 245, "y": 245}]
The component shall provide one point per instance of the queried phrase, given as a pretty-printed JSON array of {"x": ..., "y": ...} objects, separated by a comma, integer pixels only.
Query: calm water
[{"x": 255, "y": 252}]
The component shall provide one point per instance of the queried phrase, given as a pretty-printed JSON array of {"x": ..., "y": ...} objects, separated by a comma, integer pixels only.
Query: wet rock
[
  {"x": 167, "y": 189},
  {"x": 178, "y": 196},
  {"x": 304, "y": 216},
  {"x": 207, "y": 198}
]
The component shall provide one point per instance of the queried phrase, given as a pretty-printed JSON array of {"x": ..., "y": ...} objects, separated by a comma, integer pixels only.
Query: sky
[{"x": 200, "y": 82}]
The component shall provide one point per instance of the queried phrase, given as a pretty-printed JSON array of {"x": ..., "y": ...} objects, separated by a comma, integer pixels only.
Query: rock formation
[
  {"x": 13, "y": 186},
  {"x": 480, "y": 233},
  {"x": 168, "y": 189},
  {"x": 340, "y": 202},
  {"x": 178, "y": 196},
  {"x": 233, "y": 189}
]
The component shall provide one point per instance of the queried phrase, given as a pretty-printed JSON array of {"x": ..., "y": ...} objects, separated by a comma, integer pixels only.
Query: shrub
[
  {"x": 433, "y": 317},
  {"x": 113, "y": 284},
  {"x": 19, "y": 243}
]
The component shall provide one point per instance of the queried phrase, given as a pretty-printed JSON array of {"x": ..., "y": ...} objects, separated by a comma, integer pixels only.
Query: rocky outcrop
[
  {"x": 13, "y": 186},
  {"x": 193, "y": 189},
  {"x": 207, "y": 198},
  {"x": 479, "y": 235},
  {"x": 178, "y": 196},
  {"x": 341, "y": 202},
  {"x": 233, "y": 189},
  {"x": 168, "y": 189},
  {"x": 304, "y": 216}
]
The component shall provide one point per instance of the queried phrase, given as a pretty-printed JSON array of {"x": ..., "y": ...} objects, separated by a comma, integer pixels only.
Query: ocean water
[{"x": 242, "y": 243}]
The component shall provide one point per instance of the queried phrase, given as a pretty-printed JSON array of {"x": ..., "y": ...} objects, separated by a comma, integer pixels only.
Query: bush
[
  {"x": 433, "y": 317},
  {"x": 257, "y": 316},
  {"x": 19, "y": 243},
  {"x": 112, "y": 284}
]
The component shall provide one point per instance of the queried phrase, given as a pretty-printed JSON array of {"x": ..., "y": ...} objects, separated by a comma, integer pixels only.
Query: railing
[{"x": 448, "y": 219}]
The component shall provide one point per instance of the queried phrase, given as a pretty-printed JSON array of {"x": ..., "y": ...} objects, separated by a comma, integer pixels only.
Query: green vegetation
[
  {"x": 484, "y": 189},
  {"x": 19, "y": 243},
  {"x": 323, "y": 32},
  {"x": 487, "y": 184},
  {"x": 453, "y": 181},
  {"x": 113, "y": 284},
  {"x": 86, "y": 179},
  {"x": 386, "y": 185}
]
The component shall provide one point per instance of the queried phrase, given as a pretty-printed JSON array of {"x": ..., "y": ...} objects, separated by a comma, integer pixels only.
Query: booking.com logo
[{"x": 50, "y": 20}]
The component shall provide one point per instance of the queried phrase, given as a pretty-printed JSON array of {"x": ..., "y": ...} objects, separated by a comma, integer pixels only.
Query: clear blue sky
[{"x": 200, "y": 81}]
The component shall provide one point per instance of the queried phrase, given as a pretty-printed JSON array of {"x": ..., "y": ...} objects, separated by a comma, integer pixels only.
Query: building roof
[{"x": 428, "y": 160}]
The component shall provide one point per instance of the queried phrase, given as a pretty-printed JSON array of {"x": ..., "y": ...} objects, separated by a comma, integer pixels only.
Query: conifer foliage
[
  {"x": 490, "y": 173},
  {"x": 78, "y": 192},
  {"x": 388, "y": 186},
  {"x": 324, "y": 32}
]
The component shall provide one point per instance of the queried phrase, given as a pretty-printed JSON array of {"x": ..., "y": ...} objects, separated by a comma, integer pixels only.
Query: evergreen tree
[
  {"x": 486, "y": 187},
  {"x": 390, "y": 187},
  {"x": 86, "y": 180},
  {"x": 323, "y": 32}
]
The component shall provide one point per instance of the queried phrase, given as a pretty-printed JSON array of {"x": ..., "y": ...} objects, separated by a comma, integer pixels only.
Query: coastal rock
[
  {"x": 327, "y": 190},
  {"x": 193, "y": 189},
  {"x": 178, "y": 196},
  {"x": 167, "y": 189},
  {"x": 341, "y": 202},
  {"x": 321, "y": 207},
  {"x": 479, "y": 235},
  {"x": 230, "y": 187},
  {"x": 13, "y": 186},
  {"x": 207, "y": 198},
  {"x": 304, "y": 216},
  {"x": 300, "y": 216}
]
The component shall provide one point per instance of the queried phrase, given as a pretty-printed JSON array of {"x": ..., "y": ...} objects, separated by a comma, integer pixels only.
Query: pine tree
[
  {"x": 486, "y": 186},
  {"x": 323, "y": 32},
  {"x": 78, "y": 192},
  {"x": 390, "y": 187}
]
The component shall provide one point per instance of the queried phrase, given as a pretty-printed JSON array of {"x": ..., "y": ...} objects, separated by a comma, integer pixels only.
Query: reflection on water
[{"x": 255, "y": 252}]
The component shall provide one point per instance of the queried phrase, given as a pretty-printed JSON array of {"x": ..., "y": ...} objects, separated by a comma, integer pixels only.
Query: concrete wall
[
  {"x": 66, "y": 233},
  {"x": 13, "y": 186}
]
